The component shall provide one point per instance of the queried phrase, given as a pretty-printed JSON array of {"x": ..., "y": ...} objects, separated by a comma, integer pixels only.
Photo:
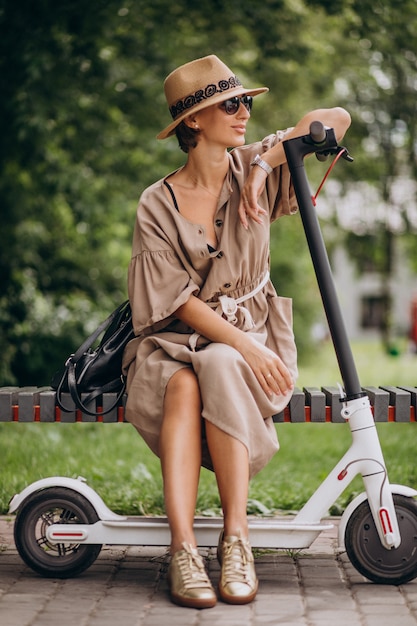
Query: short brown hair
[{"x": 187, "y": 137}]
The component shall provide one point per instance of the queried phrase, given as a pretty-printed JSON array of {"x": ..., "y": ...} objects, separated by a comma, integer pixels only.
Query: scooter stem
[
  {"x": 296, "y": 149},
  {"x": 365, "y": 455}
]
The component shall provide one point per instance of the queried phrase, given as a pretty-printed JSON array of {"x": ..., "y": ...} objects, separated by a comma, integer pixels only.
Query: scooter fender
[
  {"x": 76, "y": 484},
  {"x": 402, "y": 490}
]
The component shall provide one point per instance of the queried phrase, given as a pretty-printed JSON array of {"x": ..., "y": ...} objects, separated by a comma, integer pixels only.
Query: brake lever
[{"x": 323, "y": 156}]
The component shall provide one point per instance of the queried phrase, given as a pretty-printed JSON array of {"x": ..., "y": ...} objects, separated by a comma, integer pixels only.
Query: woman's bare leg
[
  {"x": 230, "y": 462},
  {"x": 180, "y": 453},
  {"x": 238, "y": 583}
]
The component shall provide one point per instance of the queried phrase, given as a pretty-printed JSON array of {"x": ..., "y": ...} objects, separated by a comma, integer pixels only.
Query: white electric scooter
[{"x": 61, "y": 523}]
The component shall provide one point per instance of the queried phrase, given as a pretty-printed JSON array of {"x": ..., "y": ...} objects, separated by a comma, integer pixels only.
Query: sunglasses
[{"x": 232, "y": 105}]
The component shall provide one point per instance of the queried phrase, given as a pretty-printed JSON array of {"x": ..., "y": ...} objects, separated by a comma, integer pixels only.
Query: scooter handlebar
[
  {"x": 320, "y": 140},
  {"x": 317, "y": 132},
  {"x": 318, "y": 136}
]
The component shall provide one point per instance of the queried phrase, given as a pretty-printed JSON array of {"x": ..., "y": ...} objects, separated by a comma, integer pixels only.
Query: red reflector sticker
[{"x": 385, "y": 521}]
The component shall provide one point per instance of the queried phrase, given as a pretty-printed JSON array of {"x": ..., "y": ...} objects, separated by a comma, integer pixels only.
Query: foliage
[
  {"x": 57, "y": 255},
  {"x": 81, "y": 105},
  {"x": 379, "y": 82}
]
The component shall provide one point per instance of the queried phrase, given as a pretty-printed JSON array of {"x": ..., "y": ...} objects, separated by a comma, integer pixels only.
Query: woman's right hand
[{"x": 270, "y": 371}]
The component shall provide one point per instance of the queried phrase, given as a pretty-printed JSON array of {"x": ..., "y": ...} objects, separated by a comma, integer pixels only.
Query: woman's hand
[
  {"x": 252, "y": 189},
  {"x": 336, "y": 118},
  {"x": 269, "y": 369}
]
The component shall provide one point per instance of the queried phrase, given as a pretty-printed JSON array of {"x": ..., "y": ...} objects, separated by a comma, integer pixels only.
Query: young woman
[{"x": 214, "y": 357}]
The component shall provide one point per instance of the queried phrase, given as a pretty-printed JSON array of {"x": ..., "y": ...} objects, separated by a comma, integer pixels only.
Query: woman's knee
[
  {"x": 183, "y": 387},
  {"x": 219, "y": 361}
]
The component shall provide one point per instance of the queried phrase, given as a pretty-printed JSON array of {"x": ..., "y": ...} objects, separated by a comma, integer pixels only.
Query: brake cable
[{"x": 341, "y": 152}]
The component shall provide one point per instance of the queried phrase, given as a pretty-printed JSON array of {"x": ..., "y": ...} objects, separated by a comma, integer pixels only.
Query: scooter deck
[{"x": 264, "y": 532}]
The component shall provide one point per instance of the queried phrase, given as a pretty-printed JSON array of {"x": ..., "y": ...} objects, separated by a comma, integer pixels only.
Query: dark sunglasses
[{"x": 232, "y": 105}]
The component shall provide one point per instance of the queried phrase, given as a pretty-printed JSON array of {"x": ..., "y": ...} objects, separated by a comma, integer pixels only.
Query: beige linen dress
[{"x": 170, "y": 262}]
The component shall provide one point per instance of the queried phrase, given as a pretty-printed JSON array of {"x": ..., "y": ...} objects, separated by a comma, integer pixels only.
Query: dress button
[
  {"x": 219, "y": 223},
  {"x": 227, "y": 285},
  {"x": 219, "y": 256}
]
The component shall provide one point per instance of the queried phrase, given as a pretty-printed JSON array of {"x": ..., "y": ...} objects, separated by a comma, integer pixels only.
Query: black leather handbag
[{"x": 94, "y": 371}]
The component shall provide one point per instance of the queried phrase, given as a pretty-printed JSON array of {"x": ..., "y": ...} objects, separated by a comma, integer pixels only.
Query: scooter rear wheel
[
  {"x": 57, "y": 505},
  {"x": 368, "y": 555}
]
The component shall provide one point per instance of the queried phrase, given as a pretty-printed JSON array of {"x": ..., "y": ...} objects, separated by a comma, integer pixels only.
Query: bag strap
[
  {"x": 94, "y": 336},
  {"x": 81, "y": 404}
]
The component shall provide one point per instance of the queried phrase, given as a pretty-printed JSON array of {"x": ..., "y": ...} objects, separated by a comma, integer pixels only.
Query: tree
[
  {"x": 378, "y": 77},
  {"x": 81, "y": 105},
  {"x": 60, "y": 252}
]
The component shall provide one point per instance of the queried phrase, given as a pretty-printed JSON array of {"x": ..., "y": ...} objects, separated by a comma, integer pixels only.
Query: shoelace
[
  {"x": 192, "y": 569},
  {"x": 236, "y": 558}
]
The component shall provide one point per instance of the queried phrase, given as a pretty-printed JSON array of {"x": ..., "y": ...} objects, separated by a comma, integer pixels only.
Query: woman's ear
[{"x": 191, "y": 122}]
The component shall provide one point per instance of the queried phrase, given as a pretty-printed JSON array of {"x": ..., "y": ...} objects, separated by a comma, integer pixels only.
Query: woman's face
[{"x": 216, "y": 126}]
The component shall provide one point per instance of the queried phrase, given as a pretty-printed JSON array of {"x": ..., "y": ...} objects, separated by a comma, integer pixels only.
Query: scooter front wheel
[
  {"x": 56, "y": 505},
  {"x": 368, "y": 555}
]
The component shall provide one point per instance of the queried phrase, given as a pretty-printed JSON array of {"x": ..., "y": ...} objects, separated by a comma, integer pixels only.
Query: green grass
[
  {"x": 375, "y": 367},
  {"x": 117, "y": 463}
]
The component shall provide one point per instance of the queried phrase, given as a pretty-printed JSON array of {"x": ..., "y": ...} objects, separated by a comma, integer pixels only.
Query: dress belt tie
[{"x": 228, "y": 307}]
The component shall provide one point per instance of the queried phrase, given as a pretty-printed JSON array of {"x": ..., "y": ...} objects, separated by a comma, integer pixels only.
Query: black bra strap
[{"x": 171, "y": 191}]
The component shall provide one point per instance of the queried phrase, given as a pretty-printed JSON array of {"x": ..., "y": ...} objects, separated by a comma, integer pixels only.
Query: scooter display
[{"x": 61, "y": 523}]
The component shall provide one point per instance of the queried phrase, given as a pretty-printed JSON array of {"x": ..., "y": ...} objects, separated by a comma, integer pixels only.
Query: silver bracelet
[{"x": 263, "y": 164}]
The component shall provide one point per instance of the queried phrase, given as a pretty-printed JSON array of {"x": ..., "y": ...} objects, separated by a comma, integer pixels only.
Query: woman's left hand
[{"x": 252, "y": 189}]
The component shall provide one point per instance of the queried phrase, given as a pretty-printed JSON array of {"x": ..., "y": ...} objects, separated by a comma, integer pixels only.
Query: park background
[{"x": 81, "y": 102}]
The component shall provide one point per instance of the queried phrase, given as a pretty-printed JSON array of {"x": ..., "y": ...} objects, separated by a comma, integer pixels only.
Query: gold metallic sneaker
[
  {"x": 238, "y": 582},
  {"x": 190, "y": 585}
]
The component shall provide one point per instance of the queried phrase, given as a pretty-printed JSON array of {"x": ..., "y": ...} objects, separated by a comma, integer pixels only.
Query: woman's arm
[
  {"x": 336, "y": 118},
  {"x": 270, "y": 371}
]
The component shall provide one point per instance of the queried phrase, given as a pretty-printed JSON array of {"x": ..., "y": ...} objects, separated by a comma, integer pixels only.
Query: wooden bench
[{"x": 310, "y": 404}]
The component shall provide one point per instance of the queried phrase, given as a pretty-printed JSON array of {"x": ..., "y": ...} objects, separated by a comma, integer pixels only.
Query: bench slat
[
  {"x": 401, "y": 399},
  {"x": 297, "y": 406},
  {"x": 332, "y": 395},
  {"x": 47, "y": 406},
  {"x": 379, "y": 399},
  {"x": 413, "y": 393},
  {"x": 68, "y": 417},
  {"x": 8, "y": 398},
  {"x": 316, "y": 400},
  {"x": 28, "y": 398},
  {"x": 108, "y": 400}
]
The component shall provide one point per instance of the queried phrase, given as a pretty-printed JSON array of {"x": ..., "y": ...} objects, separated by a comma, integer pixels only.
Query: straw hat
[{"x": 199, "y": 84}]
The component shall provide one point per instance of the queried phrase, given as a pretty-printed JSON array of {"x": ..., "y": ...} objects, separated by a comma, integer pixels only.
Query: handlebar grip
[{"x": 317, "y": 132}]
